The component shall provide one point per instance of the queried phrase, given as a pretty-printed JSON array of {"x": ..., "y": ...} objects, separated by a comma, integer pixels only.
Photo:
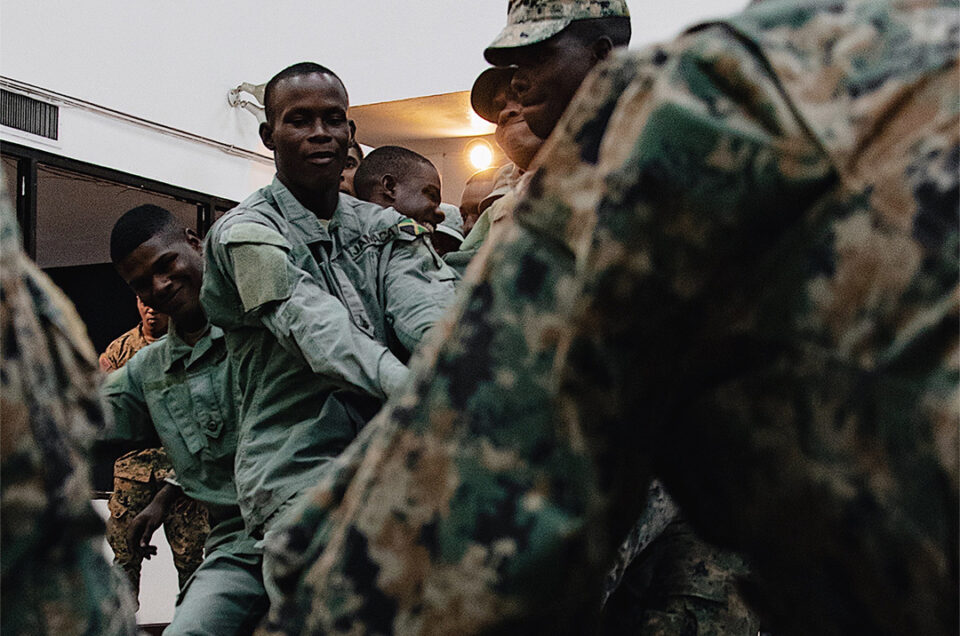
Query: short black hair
[
  {"x": 615, "y": 27},
  {"x": 296, "y": 70},
  {"x": 137, "y": 226},
  {"x": 385, "y": 160}
]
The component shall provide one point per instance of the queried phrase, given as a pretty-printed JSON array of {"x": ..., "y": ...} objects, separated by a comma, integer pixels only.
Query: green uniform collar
[
  {"x": 296, "y": 214},
  {"x": 177, "y": 350}
]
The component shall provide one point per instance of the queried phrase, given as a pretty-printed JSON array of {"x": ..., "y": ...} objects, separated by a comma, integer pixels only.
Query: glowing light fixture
[{"x": 480, "y": 154}]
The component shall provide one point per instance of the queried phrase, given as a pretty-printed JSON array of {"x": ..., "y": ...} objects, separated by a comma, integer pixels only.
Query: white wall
[
  {"x": 173, "y": 62},
  {"x": 158, "y": 576}
]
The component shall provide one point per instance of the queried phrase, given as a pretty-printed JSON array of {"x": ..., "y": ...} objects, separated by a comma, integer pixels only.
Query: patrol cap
[
  {"x": 452, "y": 220},
  {"x": 452, "y": 224},
  {"x": 532, "y": 21},
  {"x": 485, "y": 89}
]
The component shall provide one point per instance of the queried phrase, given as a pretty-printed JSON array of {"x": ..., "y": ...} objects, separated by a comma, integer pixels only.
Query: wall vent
[{"x": 29, "y": 115}]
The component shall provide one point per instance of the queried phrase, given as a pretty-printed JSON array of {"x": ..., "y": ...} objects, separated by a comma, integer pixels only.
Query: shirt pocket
[
  {"x": 172, "y": 417},
  {"x": 208, "y": 390}
]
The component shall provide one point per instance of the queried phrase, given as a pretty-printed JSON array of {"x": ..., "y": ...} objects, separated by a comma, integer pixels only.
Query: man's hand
[{"x": 146, "y": 523}]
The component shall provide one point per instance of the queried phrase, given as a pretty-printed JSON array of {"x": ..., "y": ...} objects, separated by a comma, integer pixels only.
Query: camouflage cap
[
  {"x": 532, "y": 21},
  {"x": 485, "y": 89}
]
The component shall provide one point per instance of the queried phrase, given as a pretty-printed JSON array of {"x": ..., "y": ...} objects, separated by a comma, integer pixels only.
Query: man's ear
[
  {"x": 601, "y": 47},
  {"x": 353, "y": 131},
  {"x": 388, "y": 183},
  {"x": 193, "y": 239},
  {"x": 266, "y": 135}
]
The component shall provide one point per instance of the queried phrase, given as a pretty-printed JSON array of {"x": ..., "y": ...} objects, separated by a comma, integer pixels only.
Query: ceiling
[{"x": 419, "y": 118}]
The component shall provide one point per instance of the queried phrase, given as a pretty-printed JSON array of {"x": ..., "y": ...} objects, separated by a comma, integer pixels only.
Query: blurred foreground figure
[
  {"x": 55, "y": 580},
  {"x": 736, "y": 269}
]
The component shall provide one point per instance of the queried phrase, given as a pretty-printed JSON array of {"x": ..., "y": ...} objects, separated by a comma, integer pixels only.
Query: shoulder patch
[
  {"x": 254, "y": 233},
  {"x": 411, "y": 227}
]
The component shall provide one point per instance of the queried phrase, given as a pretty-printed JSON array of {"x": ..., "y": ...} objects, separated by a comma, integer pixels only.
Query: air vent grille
[{"x": 29, "y": 115}]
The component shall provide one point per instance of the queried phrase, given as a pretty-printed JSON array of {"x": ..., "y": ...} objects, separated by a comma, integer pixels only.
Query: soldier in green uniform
[
  {"x": 735, "y": 269},
  {"x": 178, "y": 391},
  {"x": 320, "y": 297},
  {"x": 55, "y": 581},
  {"x": 398, "y": 178},
  {"x": 139, "y": 476}
]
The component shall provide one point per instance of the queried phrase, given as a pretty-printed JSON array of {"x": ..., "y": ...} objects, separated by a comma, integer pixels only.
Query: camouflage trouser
[
  {"x": 137, "y": 478},
  {"x": 680, "y": 585}
]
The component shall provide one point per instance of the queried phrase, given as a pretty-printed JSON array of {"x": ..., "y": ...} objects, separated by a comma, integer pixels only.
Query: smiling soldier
[{"x": 320, "y": 296}]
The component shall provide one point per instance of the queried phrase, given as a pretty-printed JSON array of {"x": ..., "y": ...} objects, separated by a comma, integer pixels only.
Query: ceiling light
[{"x": 480, "y": 154}]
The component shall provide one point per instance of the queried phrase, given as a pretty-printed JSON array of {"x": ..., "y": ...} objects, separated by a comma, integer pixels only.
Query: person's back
[{"x": 738, "y": 272}]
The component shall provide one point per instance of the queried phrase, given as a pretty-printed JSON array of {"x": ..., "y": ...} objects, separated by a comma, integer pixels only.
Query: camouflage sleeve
[
  {"x": 55, "y": 580},
  {"x": 750, "y": 301}
]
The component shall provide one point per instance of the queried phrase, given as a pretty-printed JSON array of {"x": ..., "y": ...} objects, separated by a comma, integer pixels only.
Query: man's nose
[{"x": 320, "y": 130}]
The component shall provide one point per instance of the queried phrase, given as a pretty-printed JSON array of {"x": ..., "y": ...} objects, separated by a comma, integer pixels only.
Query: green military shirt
[
  {"x": 184, "y": 396},
  {"x": 309, "y": 310}
]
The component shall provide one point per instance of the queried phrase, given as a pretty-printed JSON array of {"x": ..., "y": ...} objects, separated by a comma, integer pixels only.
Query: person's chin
[{"x": 320, "y": 178}]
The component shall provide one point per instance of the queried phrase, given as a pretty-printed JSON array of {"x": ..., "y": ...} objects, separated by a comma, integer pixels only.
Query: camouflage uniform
[
  {"x": 736, "y": 269},
  {"x": 122, "y": 348},
  {"x": 137, "y": 477},
  {"x": 55, "y": 580},
  {"x": 679, "y": 584}
]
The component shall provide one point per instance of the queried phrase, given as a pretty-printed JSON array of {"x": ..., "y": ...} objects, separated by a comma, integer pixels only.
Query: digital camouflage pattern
[
  {"x": 659, "y": 512},
  {"x": 735, "y": 270},
  {"x": 138, "y": 477},
  {"x": 55, "y": 581},
  {"x": 122, "y": 348},
  {"x": 532, "y": 21},
  {"x": 679, "y": 584}
]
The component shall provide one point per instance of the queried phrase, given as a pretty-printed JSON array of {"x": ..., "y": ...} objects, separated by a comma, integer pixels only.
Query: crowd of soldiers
[{"x": 687, "y": 364}]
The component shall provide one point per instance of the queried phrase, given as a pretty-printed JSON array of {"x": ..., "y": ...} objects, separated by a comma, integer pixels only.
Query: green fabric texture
[
  {"x": 317, "y": 339},
  {"x": 184, "y": 396}
]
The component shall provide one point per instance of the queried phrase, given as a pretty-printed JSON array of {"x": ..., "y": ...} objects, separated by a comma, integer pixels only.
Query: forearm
[
  {"x": 166, "y": 496},
  {"x": 314, "y": 325}
]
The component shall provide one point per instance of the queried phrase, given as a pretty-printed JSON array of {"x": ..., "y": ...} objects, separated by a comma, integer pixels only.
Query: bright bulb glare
[{"x": 481, "y": 156}]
